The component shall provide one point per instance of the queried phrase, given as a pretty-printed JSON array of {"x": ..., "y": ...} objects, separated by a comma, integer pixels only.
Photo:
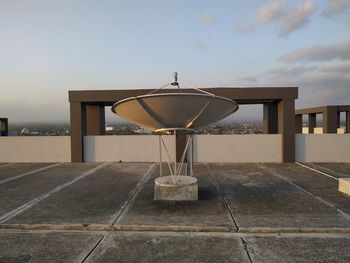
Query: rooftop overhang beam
[
  {"x": 241, "y": 95},
  {"x": 322, "y": 109}
]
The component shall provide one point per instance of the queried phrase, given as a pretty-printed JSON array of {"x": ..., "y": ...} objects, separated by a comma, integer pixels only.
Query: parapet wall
[
  {"x": 126, "y": 148},
  {"x": 322, "y": 148},
  {"x": 35, "y": 149},
  {"x": 208, "y": 148},
  {"x": 238, "y": 148}
]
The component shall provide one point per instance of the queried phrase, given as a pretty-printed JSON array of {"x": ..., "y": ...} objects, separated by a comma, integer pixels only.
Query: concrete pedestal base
[
  {"x": 184, "y": 189},
  {"x": 344, "y": 185}
]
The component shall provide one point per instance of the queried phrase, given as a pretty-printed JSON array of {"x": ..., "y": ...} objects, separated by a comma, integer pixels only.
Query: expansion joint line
[
  {"x": 7, "y": 164},
  {"x": 124, "y": 208},
  {"x": 329, "y": 204},
  {"x": 245, "y": 246},
  {"x": 30, "y": 172},
  {"x": 317, "y": 171},
  {"x": 38, "y": 199},
  {"x": 218, "y": 188},
  {"x": 94, "y": 247}
]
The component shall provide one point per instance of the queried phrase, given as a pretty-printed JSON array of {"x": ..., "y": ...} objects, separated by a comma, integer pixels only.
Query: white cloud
[
  {"x": 207, "y": 18},
  {"x": 335, "y": 7},
  {"x": 296, "y": 18},
  {"x": 340, "y": 51},
  {"x": 271, "y": 11},
  {"x": 287, "y": 19},
  {"x": 243, "y": 29}
]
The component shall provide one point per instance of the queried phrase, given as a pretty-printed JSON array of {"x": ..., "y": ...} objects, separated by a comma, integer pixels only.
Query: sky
[{"x": 48, "y": 47}]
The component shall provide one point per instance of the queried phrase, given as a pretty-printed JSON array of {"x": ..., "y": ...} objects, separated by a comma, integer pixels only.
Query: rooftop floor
[{"x": 247, "y": 212}]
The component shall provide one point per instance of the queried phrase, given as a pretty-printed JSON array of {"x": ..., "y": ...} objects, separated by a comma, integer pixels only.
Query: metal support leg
[{"x": 160, "y": 156}]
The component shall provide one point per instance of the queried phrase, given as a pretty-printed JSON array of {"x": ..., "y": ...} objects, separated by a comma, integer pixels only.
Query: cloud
[
  {"x": 296, "y": 18},
  {"x": 340, "y": 51},
  {"x": 335, "y": 7},
  {"x": 322, "y": 85},
  {"x": 287, "y": 19},
  {"x": 337, "y": 69},
  {"x": 207, "y": 18},
  {"x": 283, "y": 72},
  {"x": 243, "y": 29},
  {"x": 271, "y": 11}
]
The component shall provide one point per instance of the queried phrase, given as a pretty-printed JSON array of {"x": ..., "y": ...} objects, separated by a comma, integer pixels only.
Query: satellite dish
[
  {"x": 172, "y": 113},
  {"x": 174, "y": 110}
]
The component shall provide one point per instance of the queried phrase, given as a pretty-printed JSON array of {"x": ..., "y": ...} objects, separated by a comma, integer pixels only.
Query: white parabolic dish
[{"x": 174, "y": 110}]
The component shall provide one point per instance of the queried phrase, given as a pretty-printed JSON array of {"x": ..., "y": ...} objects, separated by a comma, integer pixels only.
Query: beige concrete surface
[
  {"x": 35, "y": 149},
  {"x": 322, "y": 148},
  {"x": 238, "y": 148},
  {"x": 344, "y": 185},
  {"x": 126, "y": 148}
]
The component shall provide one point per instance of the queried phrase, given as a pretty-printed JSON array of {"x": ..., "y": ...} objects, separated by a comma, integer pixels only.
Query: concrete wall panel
[
  {"x": 35, "y": 149},
  {"x": 126, "y": 148},
  {"x": 238, "y": 148},
  {"x": 322, "y": 147}
]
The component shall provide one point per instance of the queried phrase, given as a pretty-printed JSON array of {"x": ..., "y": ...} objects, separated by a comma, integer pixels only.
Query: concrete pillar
[
  {"x": 312, "y": 122},
  {"x": 330, "y": 119},
  {"x": 95, "y": 120},
  {"x": 4, "y": 129},
  {"x": 77, "y": 131},
  {"x": 180, "y": 146},
  {"x": 270, "y": 122},
  {"x": 347, "y": 122},
  {"x": 286, "y": 127},
  {"x": 299, "y": 123},
  {"x": 338, "y": 120}
]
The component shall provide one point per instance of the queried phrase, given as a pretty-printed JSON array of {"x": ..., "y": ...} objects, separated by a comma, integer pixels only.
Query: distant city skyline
[{"x": 50, "y": 47}]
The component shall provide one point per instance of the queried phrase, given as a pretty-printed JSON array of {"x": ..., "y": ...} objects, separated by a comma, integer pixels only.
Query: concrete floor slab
[
  {"x": 299, "y": 249},
  {"x": 94, "y": 199},
  {"x": 260, "y": 199},
  {"x": 155, "y": 247},
  {"x": 17, "y": 192},
  {"x": 338, "y": 170},
  {"x": 45, "y": 247},
  {"x": 8, "y": 171},
  {"x": 208, "y": 211},
  {"x": 317, "y": 184}
]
